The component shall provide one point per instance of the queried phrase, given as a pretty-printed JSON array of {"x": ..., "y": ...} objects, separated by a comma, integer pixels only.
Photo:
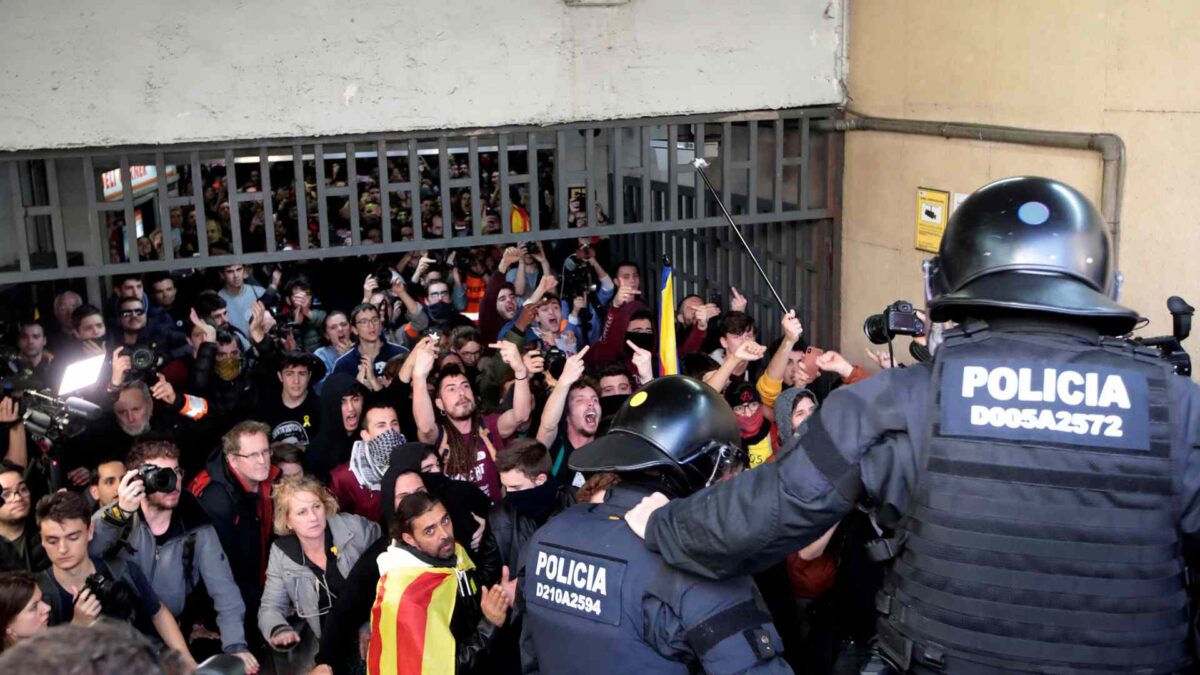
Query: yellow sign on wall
[{"x": 933, "y": 209}]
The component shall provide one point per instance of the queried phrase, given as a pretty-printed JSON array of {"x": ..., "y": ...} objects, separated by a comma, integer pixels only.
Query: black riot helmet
[
  {"x": 675, "y": 424},
  {"x": 1027, "y": 244}
]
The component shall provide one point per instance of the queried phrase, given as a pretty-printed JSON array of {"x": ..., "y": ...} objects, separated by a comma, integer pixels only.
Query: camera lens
[
  {"x": 876, "y": 329},
  {"x": 141, "y": 358}
]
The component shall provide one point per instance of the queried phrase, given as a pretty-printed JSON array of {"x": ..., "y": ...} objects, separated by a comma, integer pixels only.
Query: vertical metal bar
[
  {"x": 322, "y": 200},
  {"x": 535, "y": 191},
  {"x": 385, "y": 197},
  {"x": 414, "y": 198},
  {"x": 589, "y": 187},
  {"x": 164, "y": 211},
  {"x": 56, "y": 219},
  {"x": 804, "y": 157},
  {"x": 264, "y": 172},
  {"x": 672, "y": 173},
  {"x": 617, "y": 217},
  {"x": 699, "y": 195},
  {"x": 560, "y": 181},
  {"x": 131, "y": 252},
  {"x": 199, "y": 215},
  {"x": 476, "y": 188},
  {"x": 444, "y": 177},
  {"x": 647, "y": 163},
  {"x": 89, "y": 189},
  {"x": 752, "y": 183},
  {"x": 301, "y": 196},
  {"x": 726, "y": 160},
  {"x": 352, "y": 185},
  {"x": 505, "y": 200},
  {"x": 779, "y": 129},
  {"x": 231, "y": 191},
  {"x": 14, "y": 179}
]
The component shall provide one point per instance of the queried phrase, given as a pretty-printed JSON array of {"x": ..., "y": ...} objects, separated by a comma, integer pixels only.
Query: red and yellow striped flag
[{"x": 410, "y": 621}]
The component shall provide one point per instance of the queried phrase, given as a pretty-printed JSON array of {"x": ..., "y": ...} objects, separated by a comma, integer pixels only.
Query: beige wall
[
  {"x": 147, "y": 71},
  {"x": 1123, "y": 67}
]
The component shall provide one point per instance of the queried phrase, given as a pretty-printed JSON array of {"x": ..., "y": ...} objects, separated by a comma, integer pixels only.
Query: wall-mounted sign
[{"x": 933, "y": 209}]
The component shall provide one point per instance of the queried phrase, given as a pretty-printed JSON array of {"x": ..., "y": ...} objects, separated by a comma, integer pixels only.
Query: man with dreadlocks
[{"x": 467, "y": 441}]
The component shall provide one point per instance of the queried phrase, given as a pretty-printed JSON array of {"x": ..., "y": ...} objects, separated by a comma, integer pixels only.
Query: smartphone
[
  {"x": 810, "y": 359},
  {"x": 714, "y": 298}
]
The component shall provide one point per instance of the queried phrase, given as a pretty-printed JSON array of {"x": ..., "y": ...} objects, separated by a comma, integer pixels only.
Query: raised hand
[
  {"x": 749, "y": 351},
  {"x": 833, "y": 362},
  {"x": 737, "y": 301}
]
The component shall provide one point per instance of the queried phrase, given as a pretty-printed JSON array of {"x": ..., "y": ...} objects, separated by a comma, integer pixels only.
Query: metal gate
[{"x": 86, "y": 213}]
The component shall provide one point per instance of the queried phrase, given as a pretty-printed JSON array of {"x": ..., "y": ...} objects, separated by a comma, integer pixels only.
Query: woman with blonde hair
[{"x": 309, "y": 562}]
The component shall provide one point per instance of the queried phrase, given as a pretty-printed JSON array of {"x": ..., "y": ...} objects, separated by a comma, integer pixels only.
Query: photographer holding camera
[
  {"x": 81, "y": 589},
  {"x": 158, "y": 527}
]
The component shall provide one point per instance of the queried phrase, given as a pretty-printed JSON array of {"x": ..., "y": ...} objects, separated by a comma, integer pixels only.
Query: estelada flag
[
  {"x": 667, "y": 355},
  {"x": 410, "y": 620}
]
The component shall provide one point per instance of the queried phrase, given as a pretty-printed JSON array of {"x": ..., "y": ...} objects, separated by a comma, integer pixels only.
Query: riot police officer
[
  {"x": 1044, "y": 472},
  {"x": 597, "y": 601}
]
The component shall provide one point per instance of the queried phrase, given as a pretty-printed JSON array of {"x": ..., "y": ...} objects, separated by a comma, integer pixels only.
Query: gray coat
[
  {"x": 164, "y": 565},
  {"x": 292, "y": 587}
]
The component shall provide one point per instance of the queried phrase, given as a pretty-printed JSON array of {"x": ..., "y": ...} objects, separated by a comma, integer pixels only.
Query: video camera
[
  {"x": 144, "y": 362},
  {"x": 898, "y": 318},
  {"x": 1170, "y": 347},
  {"x": 51, "y": 417}
]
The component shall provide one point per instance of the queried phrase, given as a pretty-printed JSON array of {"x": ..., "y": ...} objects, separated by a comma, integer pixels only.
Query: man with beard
[
  {"x": 371, "y": 352},
  {"x": 337, "y": 342},
  {"x": 132, "y": 417},
  {"x": 466, "y": 441},
  {"x": 531, "y": 497},
  {"x": 579, "y": 397},
  {"x": 356, "y": 483},
  {"x": 169, "y": 537},
  {"x": 31, "y": 356},
  {"x": 341, "y": 409},
  {"x": 136, "y": 330},
  {"x": 294, "y": 415},
  {"x": 423, "y": 554}
]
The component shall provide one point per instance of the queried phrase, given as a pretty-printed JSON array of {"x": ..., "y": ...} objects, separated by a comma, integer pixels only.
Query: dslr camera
[
  {"x": 898, "y": 318},
  {"x": 115, "y": 597},
  {"x": 144, "y": 363},
  {"x": 157, "y": 479},
  {"x": 554, "y": 360}
]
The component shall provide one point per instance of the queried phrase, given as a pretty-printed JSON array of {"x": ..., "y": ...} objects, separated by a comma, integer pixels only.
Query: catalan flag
[
  {"x": 519, "y": 219},
  {"x": 410, "y": 620},
  {"x": 666, "y": 322}
]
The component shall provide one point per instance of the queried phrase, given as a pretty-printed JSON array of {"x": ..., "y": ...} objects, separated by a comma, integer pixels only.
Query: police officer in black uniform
[
  {"x": 1044, "y": 472},
  {"x": 596, "y": 601}
]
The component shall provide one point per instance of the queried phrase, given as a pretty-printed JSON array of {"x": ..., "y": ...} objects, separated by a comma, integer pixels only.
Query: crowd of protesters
[{"x": 302, "y": 429}]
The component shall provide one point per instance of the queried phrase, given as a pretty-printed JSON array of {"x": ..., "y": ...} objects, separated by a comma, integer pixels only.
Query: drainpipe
[{"x": 1110, "y": 147}]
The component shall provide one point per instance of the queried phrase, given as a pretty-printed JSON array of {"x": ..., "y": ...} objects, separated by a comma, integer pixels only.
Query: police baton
[{"x": 699, "y": 163}]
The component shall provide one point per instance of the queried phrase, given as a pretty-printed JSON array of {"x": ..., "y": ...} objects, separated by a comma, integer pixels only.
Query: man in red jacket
[{"x": 356, "y": 483}]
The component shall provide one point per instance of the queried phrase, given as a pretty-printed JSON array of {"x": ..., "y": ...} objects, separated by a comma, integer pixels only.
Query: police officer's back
[
  {"x": 1042, "y": 469},
  {"x": 597, "y": 601}
]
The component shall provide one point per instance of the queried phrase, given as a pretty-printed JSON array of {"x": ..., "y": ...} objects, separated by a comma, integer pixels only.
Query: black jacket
[
  {"x": 34, "y": 559},
  {"x": 332, "y": 445},
  {"x": 234, "y": 513}
]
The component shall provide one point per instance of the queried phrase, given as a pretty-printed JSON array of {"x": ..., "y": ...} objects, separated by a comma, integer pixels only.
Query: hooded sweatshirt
[{"x": 332, "y": 445}]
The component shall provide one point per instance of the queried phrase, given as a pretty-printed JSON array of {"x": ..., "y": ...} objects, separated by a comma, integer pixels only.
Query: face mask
[
  {"x": 536, "y": 503},
  {"x": 228, "y": 369},
  {"x": 643, "y": 340},
  {"x": 750, "y": 425},
  {"x": 439, "y": 311}
]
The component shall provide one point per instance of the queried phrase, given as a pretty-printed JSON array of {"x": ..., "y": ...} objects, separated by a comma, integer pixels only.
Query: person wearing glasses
[
  {"x": 171, "y": 539},
  {"x": 136, "y": 329},
  {"x": 371, "y": 351},
  {"x": 235, "y": 491},
  {"x": 310, "y": 560},
  {"x": 20, "y": 543}
]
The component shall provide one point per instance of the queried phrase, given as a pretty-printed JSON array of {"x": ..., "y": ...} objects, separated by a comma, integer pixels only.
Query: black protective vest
[{"x": 1042, "y": 535}]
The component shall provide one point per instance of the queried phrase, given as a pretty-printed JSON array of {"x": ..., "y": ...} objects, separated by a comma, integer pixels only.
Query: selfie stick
[{"x": 700, "y": 163}]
